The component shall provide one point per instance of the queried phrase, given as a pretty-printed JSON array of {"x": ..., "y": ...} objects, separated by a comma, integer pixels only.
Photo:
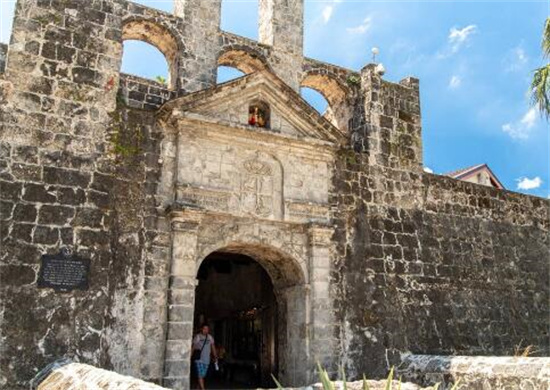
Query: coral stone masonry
[{"x": 298, "y": 238}]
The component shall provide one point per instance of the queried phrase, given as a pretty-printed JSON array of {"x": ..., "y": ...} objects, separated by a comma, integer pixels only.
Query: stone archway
[
  {"x": 192, "y": 242},
  {"x": 243, "y": 58},
  {"x": 245, "y": 294}
]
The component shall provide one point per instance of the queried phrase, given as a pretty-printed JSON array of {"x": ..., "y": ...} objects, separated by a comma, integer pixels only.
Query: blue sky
[{"x": 474, "y": 60}]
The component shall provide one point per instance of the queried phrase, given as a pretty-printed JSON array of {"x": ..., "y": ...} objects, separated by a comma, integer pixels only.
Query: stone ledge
[{"x": 477, "y": 372}]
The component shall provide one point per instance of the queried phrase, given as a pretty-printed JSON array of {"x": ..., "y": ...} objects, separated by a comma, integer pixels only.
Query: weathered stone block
[
  {"x": 17, "y": 275},
  {"x": 55, "y": 215},
  {"x": 88, "y": 217},
  {"x": 10, "y": 190},
  {"x": 46, "y": 235},
  {"x": 66, "y": 177}
]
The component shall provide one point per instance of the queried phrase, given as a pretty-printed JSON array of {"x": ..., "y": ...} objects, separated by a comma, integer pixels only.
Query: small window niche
[{"x": 259, "y": 115}]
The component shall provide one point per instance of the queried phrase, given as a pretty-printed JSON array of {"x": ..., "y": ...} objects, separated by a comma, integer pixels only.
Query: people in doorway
[
  {"x": 203, "y": 348},
  {"x": 222, "y": 369}
]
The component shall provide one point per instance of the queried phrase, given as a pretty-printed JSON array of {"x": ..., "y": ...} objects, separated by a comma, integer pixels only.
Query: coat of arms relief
[{"x": 261, "y": 187}]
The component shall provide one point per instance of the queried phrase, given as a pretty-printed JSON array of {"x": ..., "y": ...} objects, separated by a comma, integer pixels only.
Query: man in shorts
[{"x": 204, "y": 343}]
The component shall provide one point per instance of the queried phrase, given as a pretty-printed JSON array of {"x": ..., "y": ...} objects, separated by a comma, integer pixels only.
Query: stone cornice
[{"x": 247, "y": 135}]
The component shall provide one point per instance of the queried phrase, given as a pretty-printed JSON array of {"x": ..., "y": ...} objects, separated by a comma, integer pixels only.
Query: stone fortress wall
[{"x": 422, "y": 263}]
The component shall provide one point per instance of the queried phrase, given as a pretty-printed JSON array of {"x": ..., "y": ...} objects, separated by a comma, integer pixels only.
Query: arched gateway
[
  {"x": 255, "y": 300},
  {"x": 250, "y": 231}
]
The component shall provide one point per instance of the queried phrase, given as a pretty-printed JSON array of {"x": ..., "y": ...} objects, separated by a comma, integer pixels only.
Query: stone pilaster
[
  {"x": 322, "y": 319},
  {"x": 294, "y": 357},
  {"x": 181, "y": 298}
]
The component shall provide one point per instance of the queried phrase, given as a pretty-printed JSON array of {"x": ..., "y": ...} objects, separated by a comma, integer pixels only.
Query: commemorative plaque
[{"x": 64, "y": 272}]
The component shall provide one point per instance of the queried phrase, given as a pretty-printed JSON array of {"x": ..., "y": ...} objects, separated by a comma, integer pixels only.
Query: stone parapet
[{"x": 138, "y": 92}]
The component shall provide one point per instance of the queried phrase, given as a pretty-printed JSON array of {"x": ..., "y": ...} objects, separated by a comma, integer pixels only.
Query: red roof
[{"x": 460, "y": 172}]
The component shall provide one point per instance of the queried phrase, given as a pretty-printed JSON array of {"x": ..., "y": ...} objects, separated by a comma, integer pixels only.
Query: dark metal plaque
[{"x": 64, "y": 272}]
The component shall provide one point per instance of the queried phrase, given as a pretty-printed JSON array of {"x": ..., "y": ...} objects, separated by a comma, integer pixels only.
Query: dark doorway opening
[{"x": 236, "y": 298}]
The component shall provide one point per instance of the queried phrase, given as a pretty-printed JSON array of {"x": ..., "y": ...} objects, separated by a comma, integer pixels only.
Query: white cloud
[
  {"x": 522, "y": 128},
  {"x": 362, "y": 28},
  {"x": 428, "y": 170},
  {"x": 520, "y": 55},
  {"x": 328, "y": 10},
  {"x": 455, "y": 82},
  {"x": 516, "y": 59},
  {"x": 457, "y": 38},
  {"x": 327, "y": 13},
  {"x": 525, "y": 183}
]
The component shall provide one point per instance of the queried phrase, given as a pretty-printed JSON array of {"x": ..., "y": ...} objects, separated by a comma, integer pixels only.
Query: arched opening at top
[
  {"x": 7, "y": 12},
  {"x": 285, "y": 271},
  {"x": 155, "y": 68},
  {"x": 228, "y": 73},
  {"x": 240, "y": 17},
  {"x": 244, "y": 59},
  {"x": 166, "y": 5},
  {"x": 334, "y": 93},
  {"x": 159, "y": 37},
  {"x": 315, "y": 99}
]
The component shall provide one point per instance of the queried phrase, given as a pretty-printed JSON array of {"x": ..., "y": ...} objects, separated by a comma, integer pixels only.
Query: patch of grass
[{"x": 520, "y": 351}]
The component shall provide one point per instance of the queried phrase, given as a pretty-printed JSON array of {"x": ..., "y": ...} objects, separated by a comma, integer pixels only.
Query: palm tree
[{"x": 540, "y": 86}]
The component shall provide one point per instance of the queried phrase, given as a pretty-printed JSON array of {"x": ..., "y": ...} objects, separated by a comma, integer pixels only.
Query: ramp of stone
[{"x": 84, "y": 377}]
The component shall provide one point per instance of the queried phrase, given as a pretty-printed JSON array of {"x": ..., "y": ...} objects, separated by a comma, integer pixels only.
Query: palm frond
[
  {"x": 546, "y": 39},
  {"x": 540, "y": 90}
]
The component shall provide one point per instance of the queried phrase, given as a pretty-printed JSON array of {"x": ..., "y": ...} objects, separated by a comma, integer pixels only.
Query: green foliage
[
  {"x": 353, "y": 80},
  {"x": 546, "y": 39},
  {"x": 277, "y": 383},
  {"x": 365, "y": 383},
  {"x": 540, "y": 90},
  {"x": 344, "y": 380},
  {"x": 540, "y": 85},
  {"x": 389, "y": 381},
  {"x": 325, "y": 379},
  {"x": 126, "y": 139},
  {"x": 162, "y": 80}
]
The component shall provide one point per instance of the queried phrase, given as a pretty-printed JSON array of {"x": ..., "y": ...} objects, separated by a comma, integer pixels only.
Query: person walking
[{"x": 203, "y": 347}]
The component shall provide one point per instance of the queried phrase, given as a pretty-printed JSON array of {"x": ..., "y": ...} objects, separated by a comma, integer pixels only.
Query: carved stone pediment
[{"x": 230, "y": 103}]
